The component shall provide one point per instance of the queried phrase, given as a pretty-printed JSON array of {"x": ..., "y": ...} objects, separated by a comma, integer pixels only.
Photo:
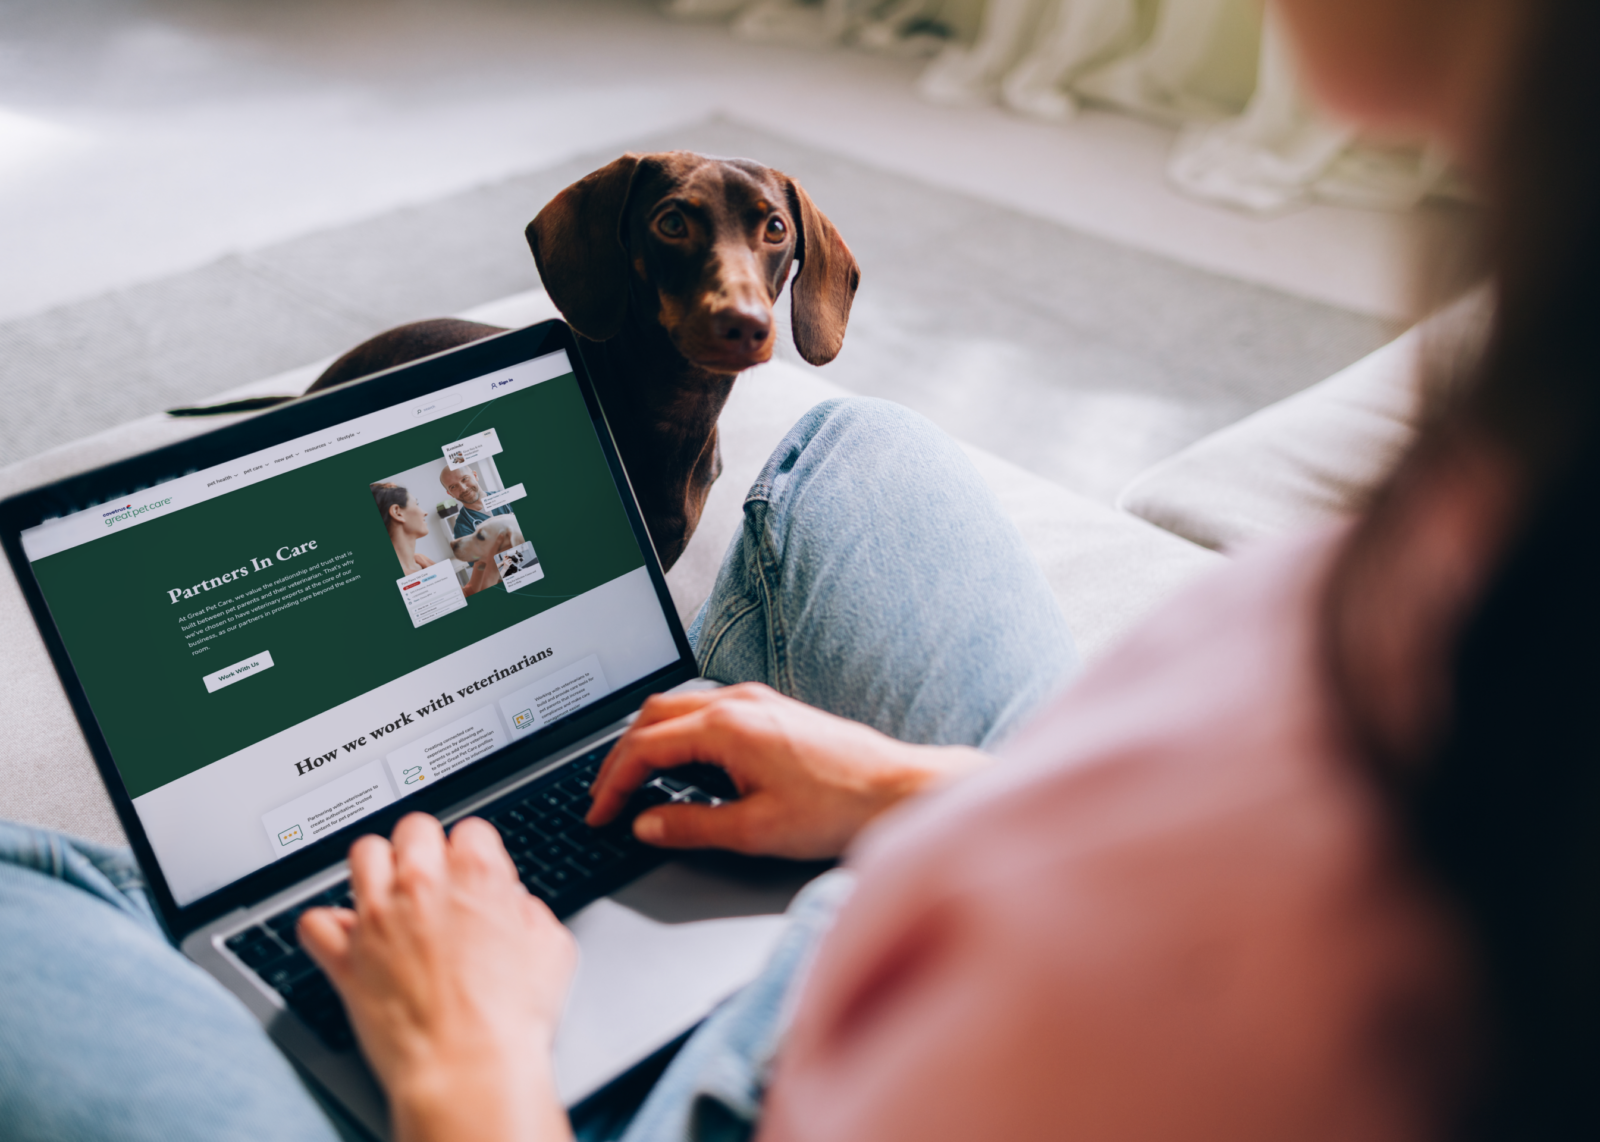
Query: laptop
[{"x": 430, "y": 590}]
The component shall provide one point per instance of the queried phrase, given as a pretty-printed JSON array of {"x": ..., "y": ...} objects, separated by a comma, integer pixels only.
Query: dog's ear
[
  {"x": 577, "y": 244},
  {"x": 820, "y": 296}
]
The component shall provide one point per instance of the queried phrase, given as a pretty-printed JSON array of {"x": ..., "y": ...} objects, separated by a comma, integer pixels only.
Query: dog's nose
[{"x": 745, "y": 326}]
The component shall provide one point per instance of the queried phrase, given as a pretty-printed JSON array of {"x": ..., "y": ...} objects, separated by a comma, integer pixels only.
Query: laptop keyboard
[{"x": 559, "y": 858}]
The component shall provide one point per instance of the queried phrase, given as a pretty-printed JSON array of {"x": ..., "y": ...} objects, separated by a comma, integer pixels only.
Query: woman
[
  {"x": 1308, "y": 857},
  {"x": 1312, "y": 856},
  {"x": 406, "y": 521}
]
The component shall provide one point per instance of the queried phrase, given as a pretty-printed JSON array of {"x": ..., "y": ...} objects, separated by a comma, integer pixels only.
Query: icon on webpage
[
  {"x": 290, "y": 835},
  {"x": 412, "y": 775},
  {"x": 523, "y": 719}
]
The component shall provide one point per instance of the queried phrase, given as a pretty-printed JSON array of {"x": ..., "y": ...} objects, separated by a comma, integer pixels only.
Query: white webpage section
[
  {"x": 553, "y": 696},
  {"x": 163, "y": 499},
  {"x": 212, "y": 826}
]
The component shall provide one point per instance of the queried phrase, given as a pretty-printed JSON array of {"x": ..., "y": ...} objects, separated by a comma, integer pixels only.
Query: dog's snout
[{"x": 745, "y": 326}]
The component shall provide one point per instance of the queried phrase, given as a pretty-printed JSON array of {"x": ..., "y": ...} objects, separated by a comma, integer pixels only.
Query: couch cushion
[
  {"x": 1107, "y": 568},
  {"x": 1294, "y": 464},
  {"x": 1313, "y": 457}
]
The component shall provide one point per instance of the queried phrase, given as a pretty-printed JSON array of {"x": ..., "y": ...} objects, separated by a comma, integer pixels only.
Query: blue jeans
[{"x": 875, "y": 577}]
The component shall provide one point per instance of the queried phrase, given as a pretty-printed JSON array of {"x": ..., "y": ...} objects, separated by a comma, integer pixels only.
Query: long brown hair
[{"x": 1502, "y": 802}]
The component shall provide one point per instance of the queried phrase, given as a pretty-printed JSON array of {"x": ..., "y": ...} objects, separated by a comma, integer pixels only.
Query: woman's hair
[
  {"x": 389, "y": 496},
  {"x": 1503, "y": 809}
]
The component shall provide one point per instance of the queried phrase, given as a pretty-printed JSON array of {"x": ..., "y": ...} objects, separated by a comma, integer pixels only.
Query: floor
[
  {"x": 141, "y": 137},
  {"x": 187, "y": 145}
]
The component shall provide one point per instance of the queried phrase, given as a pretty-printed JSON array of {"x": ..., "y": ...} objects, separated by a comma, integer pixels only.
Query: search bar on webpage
[{"x": 434, "y": 406}]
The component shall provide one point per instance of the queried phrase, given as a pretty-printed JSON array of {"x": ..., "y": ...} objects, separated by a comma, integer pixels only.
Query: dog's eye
[
  {"x": 776, "y": 229},
  {"x": 672, "y": 224}
]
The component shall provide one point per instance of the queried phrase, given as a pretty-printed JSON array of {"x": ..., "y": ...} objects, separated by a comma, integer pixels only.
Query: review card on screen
[{"x": 471, "y": 449}]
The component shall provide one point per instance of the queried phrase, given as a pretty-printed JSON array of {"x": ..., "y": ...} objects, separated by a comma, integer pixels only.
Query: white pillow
[{"x": 1309, "y": 459}]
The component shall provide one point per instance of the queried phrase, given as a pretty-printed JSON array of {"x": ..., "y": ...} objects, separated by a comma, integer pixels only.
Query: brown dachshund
[{"x": 667, "y": 266}]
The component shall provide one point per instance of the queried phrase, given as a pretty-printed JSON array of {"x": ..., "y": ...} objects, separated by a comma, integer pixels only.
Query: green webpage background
[{"x": 109, "y": 596}]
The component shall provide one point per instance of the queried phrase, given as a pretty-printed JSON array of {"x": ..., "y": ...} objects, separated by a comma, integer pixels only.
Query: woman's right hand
[{"x": 808, "y": 781}]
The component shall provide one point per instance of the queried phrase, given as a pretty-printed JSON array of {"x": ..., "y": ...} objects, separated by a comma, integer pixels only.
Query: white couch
[{"x": 1301, "y": 461}]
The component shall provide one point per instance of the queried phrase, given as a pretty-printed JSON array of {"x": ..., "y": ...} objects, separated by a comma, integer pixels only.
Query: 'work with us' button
[{"x": 238, "y": 672}]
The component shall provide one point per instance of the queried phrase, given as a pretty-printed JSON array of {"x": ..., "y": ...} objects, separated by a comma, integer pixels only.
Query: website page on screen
[{"x": 279, "y": 646}]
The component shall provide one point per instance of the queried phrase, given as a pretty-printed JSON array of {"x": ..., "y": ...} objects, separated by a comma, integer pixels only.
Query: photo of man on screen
[{"x": 461, "y": 484}]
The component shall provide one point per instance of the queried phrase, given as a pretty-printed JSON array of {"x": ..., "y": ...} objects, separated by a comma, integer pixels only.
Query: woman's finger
[
  {"x": 698, "y": 826},
  {"x": 476, "y": 848},
  {"x": 371, "y": 870},
  {"x": 658, "y": 708},
  {"x": 325, "y": 935},
  {"x": 419, "y": 850},
  {"x": 693, "y": 737}
]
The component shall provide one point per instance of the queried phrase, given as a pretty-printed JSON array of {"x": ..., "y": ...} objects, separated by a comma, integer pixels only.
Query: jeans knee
[
  {"x": 871, "y": 418},
  {"x": 864, "y": 431}
]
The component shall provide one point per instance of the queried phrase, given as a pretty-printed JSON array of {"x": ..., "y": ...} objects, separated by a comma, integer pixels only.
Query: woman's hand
[
  {"x": 454, "y": 978},
  {"x": 808, "y": 781}
]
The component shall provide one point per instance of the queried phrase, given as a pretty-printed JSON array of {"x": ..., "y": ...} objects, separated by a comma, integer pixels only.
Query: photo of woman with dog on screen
[{"x": 472, "y": 528}]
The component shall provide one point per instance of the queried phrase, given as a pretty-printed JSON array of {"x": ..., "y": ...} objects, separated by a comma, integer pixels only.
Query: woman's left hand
[{"x": 454, "y": 978}]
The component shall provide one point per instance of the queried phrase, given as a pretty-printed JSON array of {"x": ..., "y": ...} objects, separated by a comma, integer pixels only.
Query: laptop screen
[{"x": 278, "y": 646}]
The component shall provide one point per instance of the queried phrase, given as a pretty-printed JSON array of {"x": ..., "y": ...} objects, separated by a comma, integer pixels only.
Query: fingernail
[{"x": 648, "y": 828}]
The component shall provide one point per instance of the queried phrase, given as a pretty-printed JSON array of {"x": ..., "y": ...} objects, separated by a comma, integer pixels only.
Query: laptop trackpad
[{"x": 656, "y": 957}]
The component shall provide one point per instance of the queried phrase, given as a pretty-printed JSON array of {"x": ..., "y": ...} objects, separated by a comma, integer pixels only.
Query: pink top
[{"x": 1177, "y": 911}]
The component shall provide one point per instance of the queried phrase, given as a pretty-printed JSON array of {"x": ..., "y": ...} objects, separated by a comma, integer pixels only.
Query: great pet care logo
[{"x": 129, "y": 511}]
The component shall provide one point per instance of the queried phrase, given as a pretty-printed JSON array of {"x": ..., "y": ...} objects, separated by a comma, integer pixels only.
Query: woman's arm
[
  {"x": 454, "y": 978},
  {"x": 808, "y": 781}
]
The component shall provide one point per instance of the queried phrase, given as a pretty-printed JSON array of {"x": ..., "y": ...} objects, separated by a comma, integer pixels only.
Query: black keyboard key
[
  {"x": 619, "y": 835},
  {"x": 272, "y": 951},
  {"x": 312, "y": 998},
  {"x": 558, "y": 878},
  {"x": 255, "y": 947},
  {"x": 594, "y": 857},
  {"x": 541, "y": 824},
  {"x": 284, "y": 974},
  {"x": 551, "y": 852},
  {"x": 648, "y": 796},
  {"x": 335, "y": 1031},
  {"x": 576, "y": 788},
  {"x": 318, "y": 1006},
  {"x": 577, "y": 839},
  {"x": 575, "y": 813}
]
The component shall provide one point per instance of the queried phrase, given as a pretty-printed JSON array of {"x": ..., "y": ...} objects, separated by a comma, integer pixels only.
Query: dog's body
[
  {"x": 667, "y": 267},
  {"x": 492, "y": 536}
]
